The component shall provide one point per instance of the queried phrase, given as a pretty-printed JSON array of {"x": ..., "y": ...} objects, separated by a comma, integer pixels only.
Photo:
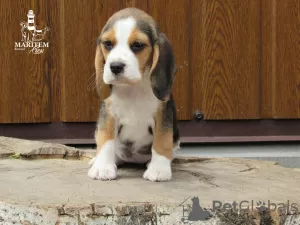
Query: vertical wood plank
[
  {"x": 281, "y": 50},
  {"x": 268, "y": 31},
  {"x": 225, "y": 58},
  {"x": 53, "y": 19},
  {"x": 24, "y": 78},
  {"x": 174, "y": 22},
  {"x": 82, "y": 23},
  {"x": 140, "y": 4}
]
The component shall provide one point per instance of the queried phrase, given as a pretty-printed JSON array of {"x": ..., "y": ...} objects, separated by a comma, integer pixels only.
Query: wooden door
[
  {"x": 245, "y": 62},
  {"x": 25, "y": 79},
  {"x": 225, "y": 58},
  {"x": 237, "y": 59}
]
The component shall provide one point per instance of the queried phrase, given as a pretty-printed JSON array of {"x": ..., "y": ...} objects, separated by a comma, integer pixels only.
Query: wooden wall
[{"x": 237, "y": 59}]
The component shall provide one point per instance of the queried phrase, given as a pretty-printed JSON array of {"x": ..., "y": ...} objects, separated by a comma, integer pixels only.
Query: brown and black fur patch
[
  {"x": 163, "y": 69},
  {"x": 103, "y": 89},
  {"x": 144, "y": 55},
  {"x": 166, "y": 133},
  {"x": 106, "y": 126},
  {"x": 150, "y": 130},
  {"x": 144, "y": 22},
  {"x": 127, "y": 148},
  {"x": 145, "y": 150},
  {"x": 108, "y": 36}
]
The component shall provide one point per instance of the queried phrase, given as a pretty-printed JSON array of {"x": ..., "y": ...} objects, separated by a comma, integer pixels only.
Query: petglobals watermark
[
  {"x": 193, "y": 211},
  {"x": 246, "y": 206},
  {"x": 32, "y": 38}
]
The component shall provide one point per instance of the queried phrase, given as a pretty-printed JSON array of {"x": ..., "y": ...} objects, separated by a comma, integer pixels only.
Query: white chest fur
[{"x": 135, "y": 108}]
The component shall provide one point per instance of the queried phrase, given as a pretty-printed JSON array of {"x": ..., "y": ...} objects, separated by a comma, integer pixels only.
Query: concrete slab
[
  {"x": 58, "y": 191},
  {"x": 286, "y": 154}
]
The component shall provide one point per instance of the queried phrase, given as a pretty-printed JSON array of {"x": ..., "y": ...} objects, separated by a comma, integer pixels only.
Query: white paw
[
  {"x": 103, "y": 172},
  {"x": 91, "y": 162},
  {"x": 158, "y": 172},
  {"x": 148, "y": 163}
]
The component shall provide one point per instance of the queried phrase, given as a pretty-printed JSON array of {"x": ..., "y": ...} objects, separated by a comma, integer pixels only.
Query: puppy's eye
[
  {"x": 137, "y": 46},
  {"x": 108, "y": 45}
]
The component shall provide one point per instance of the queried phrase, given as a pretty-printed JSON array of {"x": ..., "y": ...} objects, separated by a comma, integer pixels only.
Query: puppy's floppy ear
[
  {"x": 163, "y": 69},
  {"x": 103, "y": 89}
]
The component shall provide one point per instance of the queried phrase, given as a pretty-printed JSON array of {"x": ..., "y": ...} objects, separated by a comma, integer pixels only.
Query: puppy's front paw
[
  {"x": 103, "y": 172},
  {"x": 158, "y": 172},
  {"x": 91, "y": 162}
]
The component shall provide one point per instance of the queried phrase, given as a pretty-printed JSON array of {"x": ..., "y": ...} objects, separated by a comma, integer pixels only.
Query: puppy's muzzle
[{"x": 117, "y": 68}]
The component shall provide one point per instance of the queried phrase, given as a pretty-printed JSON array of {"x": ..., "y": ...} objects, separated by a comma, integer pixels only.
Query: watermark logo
[
  {"x": 32, "y": 38},
  {"x": 192, "y": 210},
  {"x": 194, "y": 213},
  {"x": 246, "y": 206}
]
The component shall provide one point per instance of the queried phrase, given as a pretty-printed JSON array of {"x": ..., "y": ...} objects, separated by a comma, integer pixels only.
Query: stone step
[{"x": 43, "y": 183}]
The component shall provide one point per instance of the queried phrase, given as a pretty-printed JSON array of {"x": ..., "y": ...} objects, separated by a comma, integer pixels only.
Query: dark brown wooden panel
[
  {"x": 225, "y": 58},
  {"x": 140, "y": 4},
  {"x": 280, "y": 65},
  {"x": 82, "y": 23},
  {"x": 268, "y": 26},
  {"x": 173, "y": 19},
  {"x": 24, "y": 77},
  {"x": 53, "y": 19}
]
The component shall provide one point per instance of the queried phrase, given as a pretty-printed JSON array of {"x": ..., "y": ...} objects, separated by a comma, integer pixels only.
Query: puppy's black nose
[{"x": 117, "y": 67}]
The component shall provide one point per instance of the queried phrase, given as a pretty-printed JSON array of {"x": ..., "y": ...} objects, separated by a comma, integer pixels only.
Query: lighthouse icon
[
  {"x": 31, "y": 23},
  {"x": 29, "y": 31}
]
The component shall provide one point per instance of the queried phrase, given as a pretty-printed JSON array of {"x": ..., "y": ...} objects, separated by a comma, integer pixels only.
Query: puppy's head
[{"x": 131, "y": 48}]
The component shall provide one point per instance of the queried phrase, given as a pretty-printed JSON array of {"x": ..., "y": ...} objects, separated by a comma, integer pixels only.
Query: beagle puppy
[{"x": 137, "y": 123}]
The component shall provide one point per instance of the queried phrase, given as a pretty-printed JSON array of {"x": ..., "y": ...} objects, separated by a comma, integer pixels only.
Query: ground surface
[{"x": 44, "y": 183}]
